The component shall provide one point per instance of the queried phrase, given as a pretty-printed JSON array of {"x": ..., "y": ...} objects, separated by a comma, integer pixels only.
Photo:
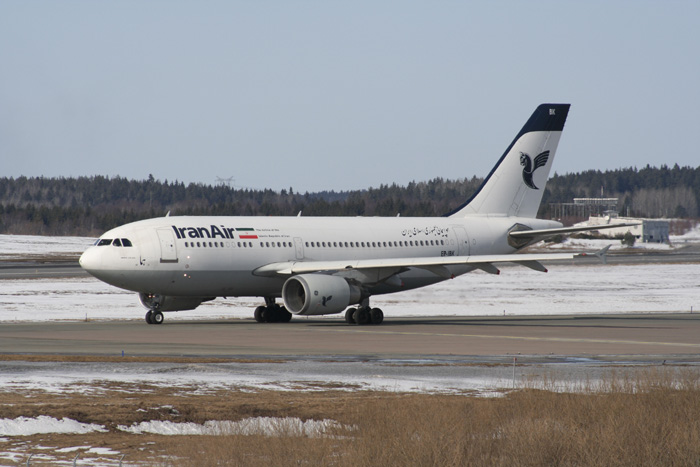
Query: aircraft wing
[
  {"x": 395, "y": 265},
  {"x": 532, "y": 236}
]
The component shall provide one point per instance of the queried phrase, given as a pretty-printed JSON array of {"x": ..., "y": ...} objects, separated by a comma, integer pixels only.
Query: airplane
[{"x": 330, "y": 265}]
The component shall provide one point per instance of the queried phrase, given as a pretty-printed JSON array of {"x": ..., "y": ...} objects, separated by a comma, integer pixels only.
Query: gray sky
[{"x": 342, "y": 94}]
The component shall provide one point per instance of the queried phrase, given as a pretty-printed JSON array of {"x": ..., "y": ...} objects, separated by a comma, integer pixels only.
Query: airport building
[
  {"x": 647, "y": 230},
  {"x": 603, "y": 211}
]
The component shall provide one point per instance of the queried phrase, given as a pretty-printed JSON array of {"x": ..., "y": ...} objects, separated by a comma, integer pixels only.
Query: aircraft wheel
[
  {"x": 157, "y": 317},
  {"x": 285, "y": 315},
  {"x": 349, "y": 315},
  {"x": 361, "y": 316},
  {"x": 258, "y": 314},
  {"x": 376, "y": 316},
  {"x": 149, "y": 317}
]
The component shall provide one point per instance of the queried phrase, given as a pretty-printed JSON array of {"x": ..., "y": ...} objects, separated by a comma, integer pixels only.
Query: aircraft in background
[{"x": 327, "y": 265}]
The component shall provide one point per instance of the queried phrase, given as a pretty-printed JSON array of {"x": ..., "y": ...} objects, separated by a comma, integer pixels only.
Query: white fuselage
[
  {"x": 218, "y": 256},
  {"x": 322, "y": 265}
]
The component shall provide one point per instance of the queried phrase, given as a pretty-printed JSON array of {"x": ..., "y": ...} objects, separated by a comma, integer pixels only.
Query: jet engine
[
  {"x": 318, "y": 294},
  {"x": 166, "y": 303}
]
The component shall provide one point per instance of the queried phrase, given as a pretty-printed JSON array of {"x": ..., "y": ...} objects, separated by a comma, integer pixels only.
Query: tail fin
[{"x": 516, "y": 184}]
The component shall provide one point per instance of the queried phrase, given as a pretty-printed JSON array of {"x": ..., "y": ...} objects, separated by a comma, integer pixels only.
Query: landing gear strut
[
  {"x": 154, "y": 317},
  {"x": 364, "y": 315},
  {"x": 272, "y": 313}
]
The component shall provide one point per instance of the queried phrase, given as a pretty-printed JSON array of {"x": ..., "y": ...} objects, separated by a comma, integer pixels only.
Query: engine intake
[
  {"x": 318, "y": 294},
  {"x": 166, "y": 303}
]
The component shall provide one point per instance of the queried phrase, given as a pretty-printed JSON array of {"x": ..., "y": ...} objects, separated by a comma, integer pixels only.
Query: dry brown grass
[
  {"x": 646, "y": 418},
  {"x": 651, "y": 420}
]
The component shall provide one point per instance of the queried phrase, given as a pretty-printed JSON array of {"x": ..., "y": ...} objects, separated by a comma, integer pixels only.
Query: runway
[{"x": 646, "y": 337}]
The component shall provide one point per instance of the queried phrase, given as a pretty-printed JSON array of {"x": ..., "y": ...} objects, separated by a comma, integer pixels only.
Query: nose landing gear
[{"x": 154, "y": 317}]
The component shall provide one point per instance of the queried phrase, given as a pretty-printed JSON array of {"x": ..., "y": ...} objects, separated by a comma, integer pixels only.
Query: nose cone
[{"x": 91, "y": 260}]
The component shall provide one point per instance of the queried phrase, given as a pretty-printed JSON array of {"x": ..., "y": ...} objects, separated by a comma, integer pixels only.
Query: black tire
[
  {"x": 285, "y": 315},
  {"x": 149, "y": 315},
  {"x": 273, "y": 314},
  {"x": 376, "y": 316},
  {"x": 258, "y": 314},
  {"x": 361, "y": 316},
  {"x": 349, "y": 315},
  {"x": 157, "y": 317},
  {"x": 267, "y": 315}
]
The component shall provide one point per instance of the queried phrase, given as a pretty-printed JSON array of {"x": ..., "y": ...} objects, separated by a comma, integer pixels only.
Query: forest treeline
[{"x": 90, "y": 205}]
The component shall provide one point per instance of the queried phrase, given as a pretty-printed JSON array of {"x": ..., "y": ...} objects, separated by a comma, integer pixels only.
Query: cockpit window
[
  {"x": 126, "y": 242},
  {"x": 117, "y": 242},
  {"x": 104, "y": 241}
]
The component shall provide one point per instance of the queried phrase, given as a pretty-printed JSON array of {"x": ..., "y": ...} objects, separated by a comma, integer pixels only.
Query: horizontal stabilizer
[{"x": 541, "y": 234}]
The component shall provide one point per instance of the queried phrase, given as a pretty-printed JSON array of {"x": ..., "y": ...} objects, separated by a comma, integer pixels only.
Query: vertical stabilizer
[{"x": 516, "y": 184}]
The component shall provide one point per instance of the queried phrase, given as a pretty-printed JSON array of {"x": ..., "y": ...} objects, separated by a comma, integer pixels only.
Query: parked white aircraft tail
[{"x": 326, "y": 265}]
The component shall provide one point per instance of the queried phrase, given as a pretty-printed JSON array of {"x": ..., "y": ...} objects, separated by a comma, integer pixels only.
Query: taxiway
[{"x": 651, "y": 336}]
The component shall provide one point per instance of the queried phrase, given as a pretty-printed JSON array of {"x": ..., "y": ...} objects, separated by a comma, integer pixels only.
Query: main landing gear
[
  {"x": 154, "y": 317},
  {"x": 364, "y": 315},
  {"x": 272, "y": 313}
]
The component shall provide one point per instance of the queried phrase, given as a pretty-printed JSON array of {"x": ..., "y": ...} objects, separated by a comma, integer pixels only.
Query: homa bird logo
[
  {"x": 327, "y": 299},
  {"x": 529, "y": 170}
]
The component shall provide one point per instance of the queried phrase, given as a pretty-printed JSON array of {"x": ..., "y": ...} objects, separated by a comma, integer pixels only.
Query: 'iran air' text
[{"x": 204, "y": 232}]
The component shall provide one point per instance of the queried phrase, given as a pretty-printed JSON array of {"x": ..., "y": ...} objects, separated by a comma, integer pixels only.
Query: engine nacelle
[
  {"x": 318, "y": 294},
  {"x": 166, "y": 303}
]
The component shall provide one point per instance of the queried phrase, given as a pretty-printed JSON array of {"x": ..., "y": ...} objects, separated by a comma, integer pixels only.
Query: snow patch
[
  {"x": 265, "y": 426},
  {"x": 23, "y": 426}
]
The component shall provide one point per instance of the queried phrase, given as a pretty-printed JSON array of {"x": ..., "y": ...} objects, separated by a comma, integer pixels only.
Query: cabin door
[
  {"x": 462, "y": 240},
  {"x": 299, "y": 248},
  {"x": 168, "y": 251}
]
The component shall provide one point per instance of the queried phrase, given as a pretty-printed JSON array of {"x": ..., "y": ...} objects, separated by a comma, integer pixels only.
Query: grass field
[{"x": 651, "y": 418}]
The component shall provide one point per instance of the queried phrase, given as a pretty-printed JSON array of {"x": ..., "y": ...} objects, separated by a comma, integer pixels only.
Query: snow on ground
[
  {"x": 263, "y": 426},
  {"x": 294, "y": 375},
  {"x": 23, "y": 426},
  {"x": 28, "y": 246},
  {"x": 566, "y": 289}
]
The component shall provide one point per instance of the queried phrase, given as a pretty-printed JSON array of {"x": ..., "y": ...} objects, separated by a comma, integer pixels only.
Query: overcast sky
[{"x": 340, "y": 94}]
